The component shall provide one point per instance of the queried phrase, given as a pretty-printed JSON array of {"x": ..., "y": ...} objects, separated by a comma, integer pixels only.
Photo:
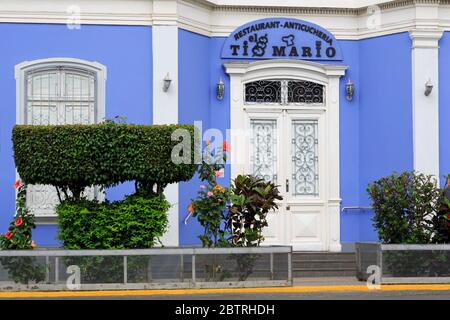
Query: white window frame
[
  {"x": 23, "y": 68},
  {"x": 21, "y": 71}
]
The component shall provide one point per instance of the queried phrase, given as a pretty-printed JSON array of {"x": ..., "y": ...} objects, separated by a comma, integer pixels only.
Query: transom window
[{"x": 284, "y": 92}]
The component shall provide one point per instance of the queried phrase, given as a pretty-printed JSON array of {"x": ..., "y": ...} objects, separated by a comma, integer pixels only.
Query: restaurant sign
[{"x": 283, "y": 38}]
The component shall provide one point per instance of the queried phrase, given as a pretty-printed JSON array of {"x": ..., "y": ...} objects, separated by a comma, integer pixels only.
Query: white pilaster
[
  {"x": 425, "y": 67},
  {"x": 165, "y": 104},
  {"x": 334, "y": 197}
]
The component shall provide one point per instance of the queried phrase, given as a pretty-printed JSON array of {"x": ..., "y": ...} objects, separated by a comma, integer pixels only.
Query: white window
[{"x": 58, "y": 91}]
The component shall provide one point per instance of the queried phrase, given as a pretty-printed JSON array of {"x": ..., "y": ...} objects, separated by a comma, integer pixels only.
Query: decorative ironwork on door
[
  {"x": 305, "y": 174},
  {"x": 284, "y": 92},
  {"x": 264, "y": 149}
]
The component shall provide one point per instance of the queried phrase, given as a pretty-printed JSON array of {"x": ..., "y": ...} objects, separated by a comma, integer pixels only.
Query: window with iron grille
[
  {"x": 58, "y": 91},
  {"x": 60, "y": 95}
]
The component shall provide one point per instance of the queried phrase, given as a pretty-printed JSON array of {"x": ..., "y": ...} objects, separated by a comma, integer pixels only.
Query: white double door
[{"x": 288, "y": 147}]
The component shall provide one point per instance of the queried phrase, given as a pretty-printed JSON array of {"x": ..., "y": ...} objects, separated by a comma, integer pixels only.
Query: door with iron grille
[{"x": 286, "y": 120}]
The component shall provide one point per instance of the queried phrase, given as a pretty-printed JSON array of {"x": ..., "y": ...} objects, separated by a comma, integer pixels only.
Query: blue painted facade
[
  {"x": 444, "y": 106},
  {"x": 375, "y": 128},
  {"x": 124, "y": 50}
]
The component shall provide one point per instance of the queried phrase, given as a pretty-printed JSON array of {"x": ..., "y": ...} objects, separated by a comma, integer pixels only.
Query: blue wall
[
  {"x": 126, "y": 52},
  {"x": 375, "y": 128},
  {"x": 444, "y": 106},
  {"x": 200, "y": 68},
  {"x": 385, "y": 117},
  {"x": 349, "y": 142},
  {"x": 194, "y": 92}
]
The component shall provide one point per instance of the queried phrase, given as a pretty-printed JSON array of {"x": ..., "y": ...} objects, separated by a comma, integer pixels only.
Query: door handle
[{"x": 287, "y": 185}]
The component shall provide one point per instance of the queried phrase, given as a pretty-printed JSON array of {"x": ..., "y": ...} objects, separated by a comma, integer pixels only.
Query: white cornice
[
  {"x": 344, "y": 18},
  {"x": 425, "y": 38}
]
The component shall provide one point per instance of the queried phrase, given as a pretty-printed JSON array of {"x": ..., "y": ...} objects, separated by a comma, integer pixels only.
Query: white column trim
[
  {"x": 165, "y": 104},
  {"x": 425, "y": 109}
]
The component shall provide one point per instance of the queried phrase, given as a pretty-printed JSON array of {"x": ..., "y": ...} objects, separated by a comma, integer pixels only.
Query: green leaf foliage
[
  {"x": 252, "y": 198},
  {"x": 404, "y": 206},
  {"x": 18, "y": 237},
  {"x": 73, "y": 157},
  {"x": 137, "y": 222}
]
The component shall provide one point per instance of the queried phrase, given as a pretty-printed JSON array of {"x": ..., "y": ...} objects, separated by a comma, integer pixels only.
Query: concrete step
[
  {"x": 323, "y": 273},
  {"x": 323, "y": 264},
  {"x": 311, "y": 256}
]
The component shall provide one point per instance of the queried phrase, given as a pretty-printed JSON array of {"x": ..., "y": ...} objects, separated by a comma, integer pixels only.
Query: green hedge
[
  {"x": 72, "y": 157},
  {"x": 134, "y": 223}
]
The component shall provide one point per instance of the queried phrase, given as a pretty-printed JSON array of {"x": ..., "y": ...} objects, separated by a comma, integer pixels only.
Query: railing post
[
  {"x": 271, "y": 266},
  {"x": 56, "y": 270},
  {"x": 181, "y": 267},
  {"x": 194, "y": 280},
  {"x": 125, "y": 271},
  {"x": 380, "y": 262},
  {"x": 47, "y": 269},
  {"x": 290, "y": 280},
  {"x": 149, "y": 270}
]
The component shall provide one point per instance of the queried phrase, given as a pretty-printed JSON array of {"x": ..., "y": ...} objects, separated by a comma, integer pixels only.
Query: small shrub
[
  {"x": 18, "y": 237},
  {"x": 251, "y": 199},
  {"x": 404, "y": 206},
  {"x": 210, "y": 206},
  {"x": 441, "y": 220},
  {"x": 134, "y": 223}
]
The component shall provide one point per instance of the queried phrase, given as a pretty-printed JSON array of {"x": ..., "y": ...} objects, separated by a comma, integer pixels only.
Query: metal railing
[
  {"x": 404, "y": 263},
  {"x": 146, "y": 268}
]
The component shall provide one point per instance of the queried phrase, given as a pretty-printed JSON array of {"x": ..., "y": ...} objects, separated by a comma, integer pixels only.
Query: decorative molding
[
  {"x": 345, "y": 19},
  {"x": 425, "y": 38}
]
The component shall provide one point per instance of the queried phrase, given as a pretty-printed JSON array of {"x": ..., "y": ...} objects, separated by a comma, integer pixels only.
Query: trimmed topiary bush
[{"x": 73, "y": 157}]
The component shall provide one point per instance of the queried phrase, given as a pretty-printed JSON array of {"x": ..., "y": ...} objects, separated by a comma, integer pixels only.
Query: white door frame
[{"x": 328, "y": 75}]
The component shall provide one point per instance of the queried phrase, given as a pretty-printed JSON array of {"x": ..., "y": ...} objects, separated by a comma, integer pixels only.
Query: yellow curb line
[{"x": 298, "y": 289}]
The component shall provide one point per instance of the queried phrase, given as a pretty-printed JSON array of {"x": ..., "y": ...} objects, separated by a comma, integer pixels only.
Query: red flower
[
  {"x": 218, "y": 174},
  {"x": 19, "y": 222},
  {"x": 17, "y": 184},
  {"x": 226, "y": 146},
  {"x": 8, "y": 235}
]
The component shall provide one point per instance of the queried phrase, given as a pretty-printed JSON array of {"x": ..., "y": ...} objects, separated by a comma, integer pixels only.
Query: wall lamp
[
  {"x": 166, "y": 82},
  {"x": 428, "y": 87},
  {"x": 350, "y": 90},
  {"x": 220, "y": 89}
]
